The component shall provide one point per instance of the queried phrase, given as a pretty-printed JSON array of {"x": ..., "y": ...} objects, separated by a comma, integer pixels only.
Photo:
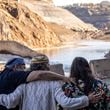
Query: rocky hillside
[
  {"x": 60, "y": 16},
  {"x": 19, "y": 24},
  {"x": 96, "y": 14}
]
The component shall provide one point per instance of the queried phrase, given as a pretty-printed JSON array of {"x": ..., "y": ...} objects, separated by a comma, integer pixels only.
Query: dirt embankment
[
  {"x": 66, "y": 25},
  {"x": 18, "y": 23},
  {"x": 57, "y": 15},
  {"x": 40, "y": 24}
]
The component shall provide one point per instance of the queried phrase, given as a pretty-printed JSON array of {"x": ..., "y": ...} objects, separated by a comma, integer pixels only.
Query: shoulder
[
  {"x": 20, "y": 73},
  {"x": 96, "y": 80},
  {"x": 55, "y": 84},
  {"x": 99, "y": 83},
  {"x": 19, "y": 77}
]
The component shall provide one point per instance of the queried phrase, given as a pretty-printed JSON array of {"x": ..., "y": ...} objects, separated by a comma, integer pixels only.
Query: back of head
[
  {"x": 40, "y": 62},
  {"x": 14, "y": 62},
  {"x": 80, "y": 68}
]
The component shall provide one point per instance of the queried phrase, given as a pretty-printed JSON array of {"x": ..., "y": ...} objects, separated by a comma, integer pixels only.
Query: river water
[{"x": 90, "y": 50}]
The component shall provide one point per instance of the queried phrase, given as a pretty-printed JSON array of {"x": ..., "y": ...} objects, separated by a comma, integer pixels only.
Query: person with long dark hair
[{"x": 84, "y": 83}]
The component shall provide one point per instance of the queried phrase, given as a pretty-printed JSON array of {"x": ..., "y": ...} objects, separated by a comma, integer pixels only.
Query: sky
[{"x": 67, "y": 2}]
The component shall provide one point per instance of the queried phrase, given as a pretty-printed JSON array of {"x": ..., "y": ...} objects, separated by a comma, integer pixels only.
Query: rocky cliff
[
  {"x": 38, "y": 23},
  {"x": 96, "y": 14},
  {"x": 57, "y": 15},
  {"x": 18, "y": 23}
]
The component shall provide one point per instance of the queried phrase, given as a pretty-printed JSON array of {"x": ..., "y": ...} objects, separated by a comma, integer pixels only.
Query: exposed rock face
[
  {"x": 18, "y": 23},
  {"x": 105, "y": 3},
  {"x": 60, "y": 16},
  {"x": 12, "y": 47},
  {"x": 97, "y": 14}
]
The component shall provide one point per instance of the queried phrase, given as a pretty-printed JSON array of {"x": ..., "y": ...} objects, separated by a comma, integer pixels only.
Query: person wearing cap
[
  {"x": 13, "y": 75},
  {"x": 43, "y": 95},
  {"x": 40, "y": 62},
  {"x": 16, "y": 64}
]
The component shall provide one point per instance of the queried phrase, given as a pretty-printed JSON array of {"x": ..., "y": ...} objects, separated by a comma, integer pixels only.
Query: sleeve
[
  {"x": 13, "y": 99},
  {"x": 19, "y": 77},
  {"x": 75, "y": 103}
]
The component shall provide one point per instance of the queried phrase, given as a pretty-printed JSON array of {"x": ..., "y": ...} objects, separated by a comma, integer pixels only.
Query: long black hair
[{"x": 80, "y": 69}]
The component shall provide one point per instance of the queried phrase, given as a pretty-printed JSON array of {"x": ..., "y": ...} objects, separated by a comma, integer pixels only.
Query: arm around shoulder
[
  {"x": 13, "y": 99},
  {"x": 75, "y": 103},
  {"x": 45, "y": 75}
]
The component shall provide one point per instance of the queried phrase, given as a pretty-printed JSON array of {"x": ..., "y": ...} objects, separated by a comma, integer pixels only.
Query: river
[{"x": 90, "y": 50}]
